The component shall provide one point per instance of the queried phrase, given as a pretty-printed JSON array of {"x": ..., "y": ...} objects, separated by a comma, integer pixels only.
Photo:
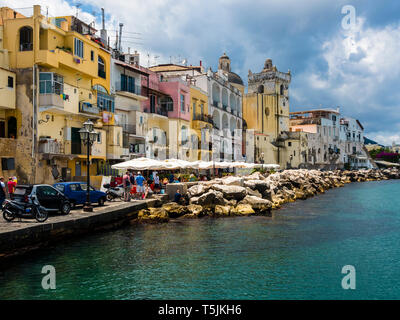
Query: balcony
[
  {"x": 128, "y": 128},
  {"x": 86, "y": 107},
  {"x": 50, "y": 146},
  {"x": 50, "y": 101},
  {"x": 128, "y": 87},
  {"x": 203, "y": 117},
  {"x": 157, "y": 111},
  {"x": 215, "y": 103}
]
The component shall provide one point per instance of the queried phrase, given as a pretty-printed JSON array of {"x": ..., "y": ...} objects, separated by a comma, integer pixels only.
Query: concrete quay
[{"x": 20, "y": 236}]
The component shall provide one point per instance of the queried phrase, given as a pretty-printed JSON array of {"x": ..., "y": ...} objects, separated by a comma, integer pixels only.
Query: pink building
[{"x": 166, "y": 97}]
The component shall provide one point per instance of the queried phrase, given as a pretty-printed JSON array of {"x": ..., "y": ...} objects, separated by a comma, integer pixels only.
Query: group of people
[
  {"x": 139, "y": 186},
  {"x": 9, "y": 189}
]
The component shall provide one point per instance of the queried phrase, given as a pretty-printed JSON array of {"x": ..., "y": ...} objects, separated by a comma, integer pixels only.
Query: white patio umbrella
[
  {"x": 139, "y": 164},
  {"x": 173, "y": 164}
]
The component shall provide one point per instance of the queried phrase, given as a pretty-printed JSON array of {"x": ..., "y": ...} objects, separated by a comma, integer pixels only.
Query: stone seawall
[
  {"x": 17, "y": 238},
  {"x": 257, "y": 193}
]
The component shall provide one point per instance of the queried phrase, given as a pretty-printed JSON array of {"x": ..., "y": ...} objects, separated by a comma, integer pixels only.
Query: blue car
[{"x": 76, "y": 193}]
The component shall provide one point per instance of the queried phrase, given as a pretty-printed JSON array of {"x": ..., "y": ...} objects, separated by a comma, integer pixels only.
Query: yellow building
[
  {"x": 10, "y": 119},
  {"x": 201, "y": 123},
  {"x": 266, "y": 110},
  {"x": 69, "y": 70}
]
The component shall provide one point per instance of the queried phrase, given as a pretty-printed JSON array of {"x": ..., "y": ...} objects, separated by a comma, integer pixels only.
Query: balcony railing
[
  {"x": 203, "y": 117},
  {"x": 50, "y": 100},
  {"x": 87, "y": 107},
  {"x": 157, "y": 111},
  {"x": 127, "y": 87},
  {"x": 50, "y": 146},
  {"x": 215, "y": 103},
  {"x": 128, "y": 128}
]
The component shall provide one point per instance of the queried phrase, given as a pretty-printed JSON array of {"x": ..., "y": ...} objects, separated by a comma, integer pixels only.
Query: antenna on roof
[
  {"x": 155, "y": 59},
  {"x": 120, "y": 36},
  {"x": 77, "y": 9}
]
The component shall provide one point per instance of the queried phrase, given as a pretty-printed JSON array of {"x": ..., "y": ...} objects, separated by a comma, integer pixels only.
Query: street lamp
[{"x": 88, "y": 136}]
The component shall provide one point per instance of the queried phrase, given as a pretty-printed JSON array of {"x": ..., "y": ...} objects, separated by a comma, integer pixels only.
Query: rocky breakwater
[{"x": 257, "y": 194}]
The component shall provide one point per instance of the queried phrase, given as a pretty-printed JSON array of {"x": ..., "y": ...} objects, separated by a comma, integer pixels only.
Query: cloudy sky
[{"x": 356, "y": 69}]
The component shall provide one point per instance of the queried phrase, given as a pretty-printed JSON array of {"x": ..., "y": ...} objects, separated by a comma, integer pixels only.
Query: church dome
[{"x": 234, "y": 78}]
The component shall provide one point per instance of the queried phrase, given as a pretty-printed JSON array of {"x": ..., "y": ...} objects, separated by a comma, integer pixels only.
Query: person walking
[
  {"x": 139, "y": 184},
  {"x": 2, "y": 191},
  {"x": 127, "y": 186},
  {"x": 11, "y": 184},
  {"x": 156, "y": 179}
]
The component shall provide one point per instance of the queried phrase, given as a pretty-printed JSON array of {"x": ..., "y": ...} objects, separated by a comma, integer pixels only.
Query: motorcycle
[
  {"x": 30, "y": 210},
  {"x": 114, "y": 192}
]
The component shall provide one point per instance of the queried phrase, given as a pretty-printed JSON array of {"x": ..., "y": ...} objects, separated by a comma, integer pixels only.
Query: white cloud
[
  {"x": 361, "y": 76},
  {"x": 384, "y": 137}
]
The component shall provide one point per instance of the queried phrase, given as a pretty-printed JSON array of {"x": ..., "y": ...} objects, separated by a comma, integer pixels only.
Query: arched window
[
  {"x": 102, "y": 67},
  {"x": 25, "y": 39},
  {"x": 12, "y": 128},
  {"x": 100, "y": 88},
  {"x": 260, "y": 89},
  {"x": 282, "y": 89}
]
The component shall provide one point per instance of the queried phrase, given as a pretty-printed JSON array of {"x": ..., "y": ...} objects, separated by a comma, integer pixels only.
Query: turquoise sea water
[{"x": 296, "y": 254}]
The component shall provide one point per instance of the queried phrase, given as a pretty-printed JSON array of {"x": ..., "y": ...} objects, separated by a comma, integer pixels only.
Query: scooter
[
  {"x": 114, "y": 192},
  {"x": 30, "y": 210}
]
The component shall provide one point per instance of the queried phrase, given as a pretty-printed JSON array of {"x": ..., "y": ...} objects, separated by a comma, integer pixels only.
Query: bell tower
[{"x": 224, "y": 63}]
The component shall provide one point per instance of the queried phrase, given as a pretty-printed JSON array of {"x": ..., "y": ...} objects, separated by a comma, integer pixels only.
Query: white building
[{"x": 126, "y": 86}]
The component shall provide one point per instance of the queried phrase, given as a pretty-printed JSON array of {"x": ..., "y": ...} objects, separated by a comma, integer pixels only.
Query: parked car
[
  {"x": 49, "y": 197},
  {"x": 76, "y": 193}
]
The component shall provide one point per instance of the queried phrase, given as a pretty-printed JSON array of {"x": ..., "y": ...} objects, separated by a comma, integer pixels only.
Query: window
[
  {"x": 7, "y": 164},
  {"x": 105, "y": 102},
  {"x": 98, "y": 137},
  {"x": 46, "y": 191},
  {"x": 289, "y": 144},
  {"x": 182, "y": 103},
  {"x": 2, "y": 129},
  {"x": 102, "y": 68},
  {"x": 92, "y": 55},
  {"x": 25, "y": 39},
  {"x": 194, "y": 110},
  {"x": 12, "y": 128},
  {"x": 10, "y": 82},
  {"x": 128, "y": 83},
  {"x": 75, "y": 187},
  {"x": 50, "y": 82},
  {"x": 60, "y": 187},
  {"x": 78, "y": 48},
  {"x": 84, "y": 187},
  {"x": 184, "y": 134},
  {"x": 167, "y": 103}
]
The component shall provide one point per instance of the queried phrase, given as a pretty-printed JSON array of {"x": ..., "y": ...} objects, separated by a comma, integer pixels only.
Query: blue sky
[{"x": 357, "y": 70}]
